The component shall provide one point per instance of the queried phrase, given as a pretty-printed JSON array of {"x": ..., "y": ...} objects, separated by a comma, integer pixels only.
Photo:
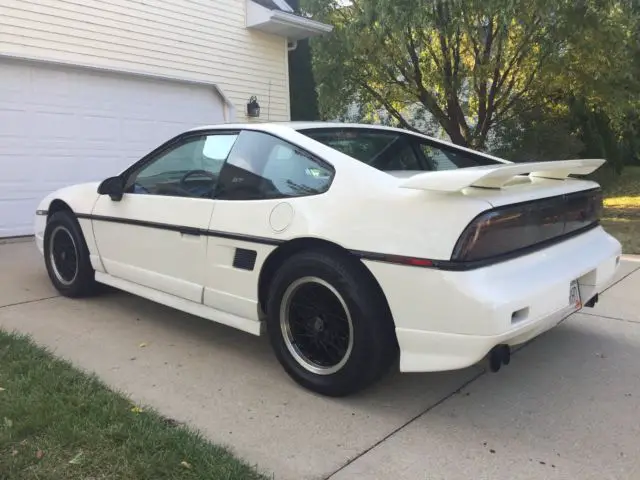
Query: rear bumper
[
  {"x": 449, "y": 320},
  {"x": 424, "y": 351}
]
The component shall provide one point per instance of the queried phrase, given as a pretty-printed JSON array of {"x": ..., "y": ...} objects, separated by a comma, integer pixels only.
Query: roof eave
[{"x": 276, "y": 22}]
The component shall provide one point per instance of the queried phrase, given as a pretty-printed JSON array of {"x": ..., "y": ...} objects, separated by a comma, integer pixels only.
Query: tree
[
  {"x": 302, "y": 87},
  {"x": 579, "y": 131},
  {"x": 597, "y": 107},
  {"x": 472, "y": 64},
  {"x": 538, "y": 134}
]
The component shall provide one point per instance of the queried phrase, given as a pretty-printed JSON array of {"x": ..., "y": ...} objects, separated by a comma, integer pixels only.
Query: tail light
[{"x": 509, "y": 229}]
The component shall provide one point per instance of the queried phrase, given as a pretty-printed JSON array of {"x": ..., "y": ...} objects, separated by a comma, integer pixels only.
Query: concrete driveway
[{"x": 567, "y": 407}]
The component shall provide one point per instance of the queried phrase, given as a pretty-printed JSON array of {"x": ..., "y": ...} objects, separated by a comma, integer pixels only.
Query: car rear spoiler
[{"x": 496, "y": 176}]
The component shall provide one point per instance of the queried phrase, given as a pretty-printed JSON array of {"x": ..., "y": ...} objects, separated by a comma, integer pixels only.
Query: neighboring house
[{"x": 89, "y": 86}]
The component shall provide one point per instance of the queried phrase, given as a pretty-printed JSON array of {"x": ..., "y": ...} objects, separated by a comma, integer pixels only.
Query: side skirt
[{"x": 197, "y": 309}]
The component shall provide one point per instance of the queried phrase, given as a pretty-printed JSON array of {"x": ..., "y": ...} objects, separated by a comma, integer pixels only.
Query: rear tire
[
  {"x": 66, "y": 257},
  {"x": 329, "y": 324}
]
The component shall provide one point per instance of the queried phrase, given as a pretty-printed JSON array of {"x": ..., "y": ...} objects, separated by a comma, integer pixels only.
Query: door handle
[{"x": 192, "y": 232}]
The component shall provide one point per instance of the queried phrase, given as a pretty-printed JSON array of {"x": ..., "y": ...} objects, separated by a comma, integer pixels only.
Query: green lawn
[
  {"x": 58, "y": 423},
  {"x": 621, "y": 216}
]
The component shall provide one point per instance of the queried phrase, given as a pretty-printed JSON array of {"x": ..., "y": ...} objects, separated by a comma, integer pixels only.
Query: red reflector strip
[
  {"x": 420, "y": 262},
  {"x": 416, "y": 262},
  {"x": 398, "y": 259}
]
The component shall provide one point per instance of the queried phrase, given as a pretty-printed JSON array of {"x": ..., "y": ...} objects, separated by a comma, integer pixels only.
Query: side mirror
[{"x": 112, "y": 186}]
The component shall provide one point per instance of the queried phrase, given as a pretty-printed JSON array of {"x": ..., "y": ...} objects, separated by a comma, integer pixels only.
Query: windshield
[{"x": 395, "y": 151}]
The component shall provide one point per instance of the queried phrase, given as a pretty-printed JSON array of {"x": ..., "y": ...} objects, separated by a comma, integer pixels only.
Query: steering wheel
[
  {"x": 212, "y": 176},
  {"x": 190, "y": 173}
]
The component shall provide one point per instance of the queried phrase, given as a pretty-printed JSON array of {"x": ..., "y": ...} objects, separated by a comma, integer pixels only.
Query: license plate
[{"x": 574, "y": 295}]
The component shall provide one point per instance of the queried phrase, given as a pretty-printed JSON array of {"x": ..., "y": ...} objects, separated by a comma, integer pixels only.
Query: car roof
[
  {"x": 295, "y": 125},
  {"x": 318, "y": 125}
]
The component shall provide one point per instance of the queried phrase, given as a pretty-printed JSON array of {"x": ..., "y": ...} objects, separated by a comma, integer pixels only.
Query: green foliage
[
  {"x": 577, "y": 130},
  {"x": 630, "y": 138},
  {"x": 595, "y": 130},
  {"x": 477, "y": 65},
  {"x": 539, "y": 134},
  {"x": 302, "y": 86}
]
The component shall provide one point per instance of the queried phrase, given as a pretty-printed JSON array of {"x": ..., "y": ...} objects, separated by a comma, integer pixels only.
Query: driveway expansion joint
[
  {"x": 609, "y": 318},
  {"x": 421, "y": 414},
  {"x": 405, "y": 424},
  {"x": 29, "y": 301},
  {"x": 621, "y": 279}
]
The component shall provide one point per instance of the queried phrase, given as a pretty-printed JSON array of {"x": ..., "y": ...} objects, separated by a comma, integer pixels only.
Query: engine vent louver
[{"x": 245, "y": 259}]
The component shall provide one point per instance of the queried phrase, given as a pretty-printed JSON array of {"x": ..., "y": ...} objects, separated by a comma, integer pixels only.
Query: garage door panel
[
  {"x": 157, "y": 128},
  {"x": 37, "y": 147},
  {"x": 13, "y": 175},
  {"x": 14, "y": 121},
  {"x": 99, "y": 127},
  {"x": 13, "y": 83},
  {"x": 53, "y": 124},
  {"x": 17, "y": 207},
  {"x": 62, "y": 125},
  {"x": 56, "y": 81}
]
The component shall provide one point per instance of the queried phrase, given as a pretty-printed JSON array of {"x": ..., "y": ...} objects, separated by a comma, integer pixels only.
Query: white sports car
[{"x": 351, "y": 244}]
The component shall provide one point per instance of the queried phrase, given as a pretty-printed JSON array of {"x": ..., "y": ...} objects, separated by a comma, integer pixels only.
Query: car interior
[
  {"x": 258, "y": 167},
  {"x": 395, "y": 151}
]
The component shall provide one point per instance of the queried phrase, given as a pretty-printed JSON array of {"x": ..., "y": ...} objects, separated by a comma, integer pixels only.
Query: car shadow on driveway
[{"x": 242, "y": 349}]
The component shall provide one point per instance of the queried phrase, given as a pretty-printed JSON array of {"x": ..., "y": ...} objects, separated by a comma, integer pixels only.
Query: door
[
  {"x": 256, "y": 202},
  {"x": 61, "y": 125},
  {"x": 155, "y": 235}
]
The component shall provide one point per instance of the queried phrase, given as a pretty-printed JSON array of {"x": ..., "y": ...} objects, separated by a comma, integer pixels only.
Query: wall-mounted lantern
[{"x": 253, "y": 107}]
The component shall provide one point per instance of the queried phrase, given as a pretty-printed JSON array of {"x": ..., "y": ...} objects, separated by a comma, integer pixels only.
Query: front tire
[
  {"x": 66, "y": 256},
  {"x": 328, "y": 323}
]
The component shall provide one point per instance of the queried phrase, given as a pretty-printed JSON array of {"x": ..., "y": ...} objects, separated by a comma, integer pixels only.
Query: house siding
[{"x": 195, "y": 40}]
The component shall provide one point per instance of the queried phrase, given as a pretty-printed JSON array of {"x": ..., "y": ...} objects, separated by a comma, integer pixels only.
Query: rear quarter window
[
  {"x": 389, "y": 150},
  {"x": 262, "y": 166}
]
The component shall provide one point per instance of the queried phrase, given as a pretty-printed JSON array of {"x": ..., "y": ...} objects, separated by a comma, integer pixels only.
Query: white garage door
[{"x": 61, "y": 125}]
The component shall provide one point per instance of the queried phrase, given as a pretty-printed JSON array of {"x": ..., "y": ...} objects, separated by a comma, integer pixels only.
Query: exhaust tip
[
  {"x": 506, "y": 354},
  {"x": 498, "y": 356}
]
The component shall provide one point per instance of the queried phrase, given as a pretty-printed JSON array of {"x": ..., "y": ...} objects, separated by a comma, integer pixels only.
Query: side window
[
  {"x": 215, "y": 151},
  {"x": 261, "y": 166},
  {"x": 381, "y": 149},
  {"x": 441, "y": 159},
  {"x": 190, "y": 169}
]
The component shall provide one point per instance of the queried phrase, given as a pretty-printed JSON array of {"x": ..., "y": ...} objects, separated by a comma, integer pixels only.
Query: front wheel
[
  {"x": 328, "y": 324},
  {"x": 66, "y": 256}
]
